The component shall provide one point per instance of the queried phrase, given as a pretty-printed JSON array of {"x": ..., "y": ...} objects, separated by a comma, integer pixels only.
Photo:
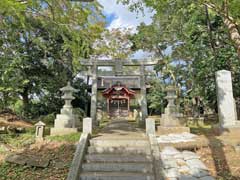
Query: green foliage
[
  {"x": 193, "y": 43},
  {"x": 114, "y": 44},
  {"x": 41, "y": 42},
  {"x": 156, "y": 96},
  {"x": 79, "y": 113},
  {"x": 48, "y": 119},
  {"x": 18, "y": 140}
]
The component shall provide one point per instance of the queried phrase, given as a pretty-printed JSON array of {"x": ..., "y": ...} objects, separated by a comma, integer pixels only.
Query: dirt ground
[
  {"x": 221, "y": 157},
  {"x": 59, "y": 154}
]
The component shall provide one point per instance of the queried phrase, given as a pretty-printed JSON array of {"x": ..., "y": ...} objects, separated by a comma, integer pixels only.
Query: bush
[
  {"x": 79, "y": 113},
  {"x": 48, "y": 119}
]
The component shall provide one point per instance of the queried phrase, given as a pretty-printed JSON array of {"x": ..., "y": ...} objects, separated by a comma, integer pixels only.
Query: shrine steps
[{"x": 119, "y": 158}]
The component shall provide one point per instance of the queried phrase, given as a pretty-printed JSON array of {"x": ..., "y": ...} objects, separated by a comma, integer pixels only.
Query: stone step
[
  {"x": 115, "y": 176},
  {"x": 118, "y": 143},
  {"x": 118, "y": 158},
  {"x": 119, "y": 150},
  {"x": 121, "y": 136},
  {"x": 118, "y": 167}
]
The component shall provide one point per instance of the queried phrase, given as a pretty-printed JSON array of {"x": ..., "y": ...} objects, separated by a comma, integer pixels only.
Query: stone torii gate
[{"x": 118, "y": 71}]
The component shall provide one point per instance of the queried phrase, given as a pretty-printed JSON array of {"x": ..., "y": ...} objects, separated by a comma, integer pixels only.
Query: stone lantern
[
  {"x": 40, "y": 127},
  {"x": 171, "y": 108},
  {"x": 65, "y": 122},
  {"x": 172, "y": 121}
]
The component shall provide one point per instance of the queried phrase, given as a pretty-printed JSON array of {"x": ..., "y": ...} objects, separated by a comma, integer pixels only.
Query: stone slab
[
  {"x": 62, "y": 131},
  {"x": 116, "y": 176},
  {"x": 37, "y": 162},
  {"x": 34, "y": 161},
  {"x": 170, "y": 130},
  {"x": 119, "y": 150},
  {"x": 118, "y": 167},
  {"x": 107, "y": 158},
  {"x": 16, "y": 159}
]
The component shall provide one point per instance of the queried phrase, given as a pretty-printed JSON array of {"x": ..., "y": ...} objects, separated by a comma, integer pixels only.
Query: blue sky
[{"x": 110, "y": 18}]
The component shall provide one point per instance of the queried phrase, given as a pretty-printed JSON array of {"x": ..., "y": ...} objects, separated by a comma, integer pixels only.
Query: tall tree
[{"x": 41, "y": 43}]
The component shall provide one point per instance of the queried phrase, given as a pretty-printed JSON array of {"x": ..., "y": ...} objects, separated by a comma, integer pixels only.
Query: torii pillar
[
  {"x": 93, "y": 111},
  {"x": 143, "y": 98}
]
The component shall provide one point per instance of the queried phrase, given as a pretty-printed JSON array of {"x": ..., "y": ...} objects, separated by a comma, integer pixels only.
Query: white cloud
[
  {"x": 125, "y": 18},
  {"x": 140, "y": 54}
]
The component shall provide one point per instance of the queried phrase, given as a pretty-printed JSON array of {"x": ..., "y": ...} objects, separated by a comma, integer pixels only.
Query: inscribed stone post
[
  {"x": 39, "y": 134},
  {"x": 226, "y": 107},
  {"x": 87, "y": 125}
]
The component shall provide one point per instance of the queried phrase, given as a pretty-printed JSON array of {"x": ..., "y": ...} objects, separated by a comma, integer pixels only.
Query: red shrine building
[
  {"x": 118, "y": 100},
  {"x": 118, "y": 96}
]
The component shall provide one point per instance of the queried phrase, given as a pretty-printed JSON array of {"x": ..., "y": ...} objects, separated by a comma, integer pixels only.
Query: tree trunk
[
  {"x": 234, "y": 33},
  {"x": 25, "y": 98}
]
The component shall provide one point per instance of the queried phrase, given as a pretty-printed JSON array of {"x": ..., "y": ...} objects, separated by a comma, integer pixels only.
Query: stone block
[
  {"x": 62, "y": 131},
  {"x": 150, "y": 126},
  {"x": 87, "y": 125},
  {"x": 63, "y": 121},
  {"x": 172, "y": 130}
]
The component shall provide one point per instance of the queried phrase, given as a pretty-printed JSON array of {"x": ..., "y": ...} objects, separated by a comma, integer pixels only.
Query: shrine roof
[{"x": 118, "y": 88}]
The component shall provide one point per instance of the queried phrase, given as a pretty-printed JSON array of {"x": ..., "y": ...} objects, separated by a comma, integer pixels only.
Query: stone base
[
  {"x": 172, "y": 130},
  {"x": 172, "y": 121},
  {"x": 229, "y": 131},
  {"x": 62, "y": 131}
]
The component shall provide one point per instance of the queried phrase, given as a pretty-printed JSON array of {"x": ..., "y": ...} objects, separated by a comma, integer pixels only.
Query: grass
[
  {"x": 72, "y": 138},
  {"x": 18, "y": 140}
]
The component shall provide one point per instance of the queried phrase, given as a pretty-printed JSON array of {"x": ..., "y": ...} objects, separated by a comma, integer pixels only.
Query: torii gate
[{"x": 118, "y": 70}]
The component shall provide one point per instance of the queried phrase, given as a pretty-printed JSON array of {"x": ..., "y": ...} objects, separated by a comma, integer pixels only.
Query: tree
[
  {"x": 198, "y": 37},
  {"x": 113, "y": 44},
  {"x": 41, "y": 43}
]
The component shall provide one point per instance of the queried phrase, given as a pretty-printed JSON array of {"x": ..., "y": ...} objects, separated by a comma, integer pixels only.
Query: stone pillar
[
  {"x": 87, "y": 125},
  {"x": 150, "y": 126},
  {"x": 226, "y": 107},
  {"x": 143, "y": 98},
  {"x": 94, "y": 95},
  {"x": 118, "y": 67}
]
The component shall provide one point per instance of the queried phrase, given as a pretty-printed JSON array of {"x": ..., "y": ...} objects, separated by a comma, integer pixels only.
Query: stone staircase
[{"x": 118, "y": 155}]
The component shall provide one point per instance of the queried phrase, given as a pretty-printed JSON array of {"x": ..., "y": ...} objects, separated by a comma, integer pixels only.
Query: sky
[{"x": 119, "y": 16}]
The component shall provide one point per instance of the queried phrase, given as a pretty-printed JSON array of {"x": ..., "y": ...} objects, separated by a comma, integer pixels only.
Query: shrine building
[{"x": 119, "y": 96}]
